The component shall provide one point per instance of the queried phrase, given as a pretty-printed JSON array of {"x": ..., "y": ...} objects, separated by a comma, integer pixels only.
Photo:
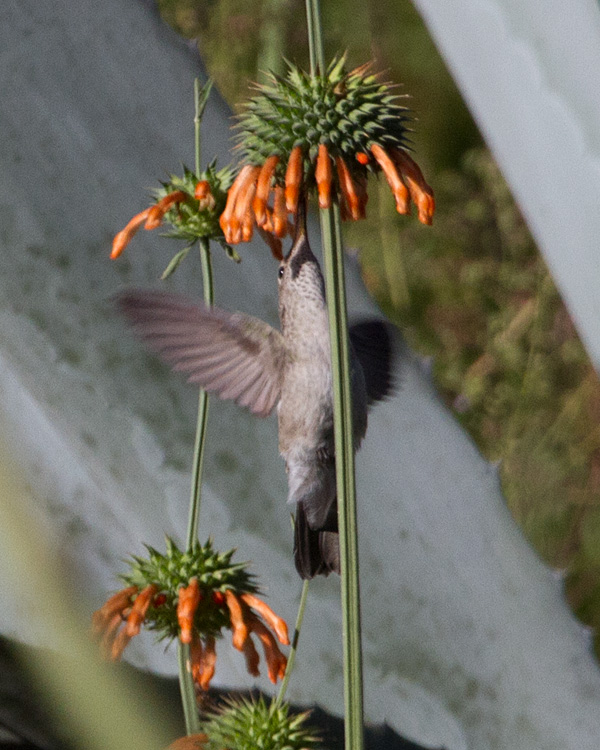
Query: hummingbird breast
[{"x": 305, "y": 409}]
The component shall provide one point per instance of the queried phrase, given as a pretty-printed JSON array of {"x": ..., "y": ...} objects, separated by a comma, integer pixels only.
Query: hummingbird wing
[
  {"x": 234, "y": 355},
  {"x": 372, "y": 344}
]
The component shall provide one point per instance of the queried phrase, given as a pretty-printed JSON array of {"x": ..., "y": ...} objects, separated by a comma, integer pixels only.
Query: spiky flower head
[
  {"x": 325, "y": 131},
  {"x": 346, "y": 111},
  {"x": 251, "y": 724},
  {"x": 192, "y": 595},
  {"x": 191, "y": 205},
  {"x": 171, "y": 572}
]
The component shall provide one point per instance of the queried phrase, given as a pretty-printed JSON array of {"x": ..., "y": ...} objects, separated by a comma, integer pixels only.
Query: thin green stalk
[
  {"x": 312, "y": 53},
  {"x": 186, "y": 683},
  {"x": 200, "y": 440},
  {"x": 315, "y": 37},
  {"x": 201, "y": 95},
  {"x": 318, "y": 35},
  {"x": 344, "y": 441},
  {"x": 187, "y": 690},
  {"x": 293, "y": 647},
  {"x": 345, "y": 477}
]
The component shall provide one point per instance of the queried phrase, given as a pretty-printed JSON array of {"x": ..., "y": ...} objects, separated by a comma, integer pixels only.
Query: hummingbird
[{"x": 240, "y": 357}]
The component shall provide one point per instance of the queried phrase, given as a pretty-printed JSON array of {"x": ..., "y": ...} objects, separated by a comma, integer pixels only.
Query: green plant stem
[
  {"x": 201, "y": 95},
  {"x": 187, "y": 690},
  {"x": 186, "y": 683},
  {"x": 294, "y": 646},
  {"x": 344, "y": 439},
  {"x": 317, "y": 55},
  {"x": 345, "y": 476},
  {"x": 200, "y": 440}
]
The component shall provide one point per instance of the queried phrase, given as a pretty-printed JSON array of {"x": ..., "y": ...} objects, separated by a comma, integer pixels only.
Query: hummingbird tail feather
[{"x": 316, "y": 552}]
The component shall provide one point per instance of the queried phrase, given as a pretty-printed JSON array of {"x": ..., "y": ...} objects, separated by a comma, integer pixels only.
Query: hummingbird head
[{"x": 301, "y": 285}]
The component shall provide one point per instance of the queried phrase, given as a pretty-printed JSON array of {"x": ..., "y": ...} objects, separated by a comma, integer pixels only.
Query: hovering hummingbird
[{"x": 240, "y": 357}]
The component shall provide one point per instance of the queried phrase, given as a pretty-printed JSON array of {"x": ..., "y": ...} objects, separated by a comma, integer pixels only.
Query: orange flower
[
  {"x": 204, "y": 195},
  {"x": 190, "y": 742},
  {"x": 123, "y": 238},
  {"x": 158, "y": 210},
  {"x": 420, "y": 192},
  {"x": 273, "y": 620},
  {"x": 115, "y": 605},
  {"x": 151, "y": 218},
  {"x": 348, "y": 188},
  {"x": 257, "y": 199},
  {"x": 121, "y": 618},
  {"x": 394, "y": 180},
  {"x": 263, "y": 188},
  {"x": 203, "y": 659},
  {"x": 323, "y": 177},
  {"x": 244, "y": 622},
  {"x": 189, "y": 598},
  {"x": 293, "y": 179}
]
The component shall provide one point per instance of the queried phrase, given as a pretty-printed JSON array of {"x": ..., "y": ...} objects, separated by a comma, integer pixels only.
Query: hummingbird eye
[{"x": 281, "y": 271}]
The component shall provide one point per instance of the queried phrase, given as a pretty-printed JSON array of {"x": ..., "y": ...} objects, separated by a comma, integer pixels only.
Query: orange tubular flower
[
  {"x": 276, "y": 661},
  {"x": 280, "y": 223},
  {"x": 189, "y": 598},
  {"x": 190, "y": 742},
  {"x": 139, "y": 609},
  {"x": 420, "y": 192},
  {"x": 209, "y": 663},
  {"x": 242, "y": 204},
  {"x": 362, "y": 158},
  {"x": 247, "y": 226},
  {"x": 293, "y": 179},
  {"x": 202, "y": 190},
  {"x": 203, "y": 660},
  {"x": 323, "y": 174},
  {"x": 275, "y": 622},
  {"x": 263, "y": 188},
  {"x": 113, "y": 606},
  {"x": 348, "y": 188},
  {"x": 123, "y": 238},
  {"x": 252, "y": 657},
  {"x": 232, "y": 196},
  {"x": 157, "y": 212},
  {"x": 119, "y": 645},
  {"x": 394, "y": 180},
  {"x": 203, "y": 195},
  {"x": 239, "y": 627}
]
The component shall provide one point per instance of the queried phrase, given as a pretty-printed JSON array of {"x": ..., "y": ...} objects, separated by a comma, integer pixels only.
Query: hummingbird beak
[{"x": 300, "y": 236}]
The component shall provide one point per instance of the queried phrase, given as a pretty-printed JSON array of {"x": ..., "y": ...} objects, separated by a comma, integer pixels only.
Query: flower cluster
[
  {"x": 191, "y": 205},
  {"x": 193, "y": 596},
  {"x": 326, "y": 132},
  {"x": 248, "y": 724}
]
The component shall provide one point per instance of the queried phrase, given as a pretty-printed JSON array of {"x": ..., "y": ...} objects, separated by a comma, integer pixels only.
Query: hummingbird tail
[{"x": 316, "y": 552}]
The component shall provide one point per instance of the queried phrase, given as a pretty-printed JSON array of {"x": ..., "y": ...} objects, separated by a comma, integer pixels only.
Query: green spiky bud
[
  {"x": 189, "y": 220},
  {"x": 192, "y": 220},
  {"x": 346, "y": 111},
  {"x": 251, "y": 724}
]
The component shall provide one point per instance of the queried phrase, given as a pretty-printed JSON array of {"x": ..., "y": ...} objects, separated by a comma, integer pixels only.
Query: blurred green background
[{"x": 472, "y": 292}]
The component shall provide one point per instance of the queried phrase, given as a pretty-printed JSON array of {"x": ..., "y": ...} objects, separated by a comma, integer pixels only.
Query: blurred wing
[
  {"x": 372, "y": 344},
  {"x": 236, "y": 356}
]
